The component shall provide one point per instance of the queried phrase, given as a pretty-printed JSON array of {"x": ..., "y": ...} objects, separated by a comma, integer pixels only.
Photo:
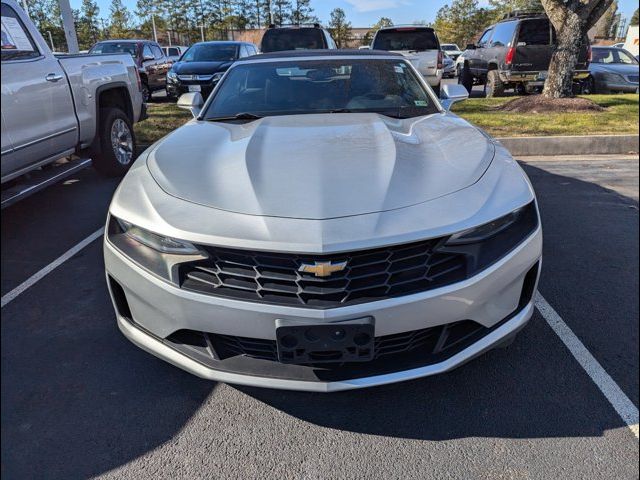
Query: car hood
[
  {"x": 186, "y": 68},
  {"x": 619, "y": 68},
  {"x": 320, "y": 166}
]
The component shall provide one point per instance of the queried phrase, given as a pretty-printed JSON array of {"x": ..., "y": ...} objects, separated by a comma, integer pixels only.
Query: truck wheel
[
  {"x": 466, "y": 79},
  {"x": 117, "y": 143},
  {"x": 589, "y": 86},
  {"x": 493, "y": 86},
  {"x": 146, "y": 93}
]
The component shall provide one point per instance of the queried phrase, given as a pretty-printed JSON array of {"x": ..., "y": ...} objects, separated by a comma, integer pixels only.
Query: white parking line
[
  {"x": 610, "y": 389},
  {"x": 49, "y": 268}
]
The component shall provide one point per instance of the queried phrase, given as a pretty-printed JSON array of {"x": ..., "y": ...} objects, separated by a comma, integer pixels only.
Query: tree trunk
[
  {"x": 571, "y": 20},
  {"x": 563, "y": 61}
]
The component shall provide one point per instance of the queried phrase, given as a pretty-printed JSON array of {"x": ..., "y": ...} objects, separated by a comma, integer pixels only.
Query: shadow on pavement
[{"x": 77, "y": 398}]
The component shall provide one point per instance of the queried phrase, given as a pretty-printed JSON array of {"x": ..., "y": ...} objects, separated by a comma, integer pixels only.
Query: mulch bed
[{"x": 540, "y": 104}]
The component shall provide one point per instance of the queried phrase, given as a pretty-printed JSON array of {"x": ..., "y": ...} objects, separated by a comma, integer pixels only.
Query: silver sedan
[{"x": 323, "y": 223}]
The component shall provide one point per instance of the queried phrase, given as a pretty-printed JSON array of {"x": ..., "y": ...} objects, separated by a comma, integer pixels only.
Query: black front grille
[
  {"x": 369, "y": 274},
  {"x": 439, "y": 341}
]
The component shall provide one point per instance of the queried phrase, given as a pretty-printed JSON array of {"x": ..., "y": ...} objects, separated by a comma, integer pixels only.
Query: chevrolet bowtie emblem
[{"x": 322, "y": 269}]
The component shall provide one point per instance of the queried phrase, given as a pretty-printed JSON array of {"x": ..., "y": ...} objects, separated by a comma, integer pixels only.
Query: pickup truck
[{"x": 57, "y": 106}]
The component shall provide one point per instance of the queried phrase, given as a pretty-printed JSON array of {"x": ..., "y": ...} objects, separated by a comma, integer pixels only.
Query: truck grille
[{"x": 369, "y": 274}]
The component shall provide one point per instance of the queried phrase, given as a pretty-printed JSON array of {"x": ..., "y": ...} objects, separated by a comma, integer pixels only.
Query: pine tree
[
  {"x": 87, "y": 24},
  {"x": 120, "y": 20},
  {"x": 339, "y": 27}
]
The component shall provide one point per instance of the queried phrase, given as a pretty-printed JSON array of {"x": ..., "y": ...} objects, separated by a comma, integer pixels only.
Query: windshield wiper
[{"x": 238, "y": 116}]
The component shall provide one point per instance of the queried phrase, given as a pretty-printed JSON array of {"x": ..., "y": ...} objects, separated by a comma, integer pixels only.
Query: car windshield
[
  {"x": 115, "y": 47},
  {"x": 450, "y": 48},
  {"x": 406, "y": 38},
  {"x": 612, "y": 55},
  {"x": 210, "y": 53},
  {"x": 259, "y": 89},
  {"x": 279, "y": 40}
]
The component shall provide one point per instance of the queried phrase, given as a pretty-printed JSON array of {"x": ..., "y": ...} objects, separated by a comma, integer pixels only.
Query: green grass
[{"x": 620, "y": 117}]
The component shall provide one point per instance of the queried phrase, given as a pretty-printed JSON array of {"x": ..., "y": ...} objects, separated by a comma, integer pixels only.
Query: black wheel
[
  {"x": 493, "y": 87},
  {"x": 117, "y": 143},
  {"x": 466, "y": 79},
  {"x": 589, "y": 86},
  {"x": 146, "y": 93},
  {"x": 521, "y": 89}
]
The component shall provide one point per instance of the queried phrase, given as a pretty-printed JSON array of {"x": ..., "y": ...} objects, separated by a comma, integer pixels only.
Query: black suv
[
  {"x": 515, "y": 53},
  {"x": 203, "y": 65}
]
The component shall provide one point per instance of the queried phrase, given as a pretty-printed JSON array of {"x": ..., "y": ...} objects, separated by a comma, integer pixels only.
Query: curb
[{"x": 572, "y": 145}]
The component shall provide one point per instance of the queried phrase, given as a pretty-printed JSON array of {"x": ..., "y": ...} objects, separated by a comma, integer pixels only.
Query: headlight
[
  {"x": 157, "y": 253},
  {"x": 487, "y": 243},
  {"x": 216, "y": 77},
  {"x": 172, "y": 76}
]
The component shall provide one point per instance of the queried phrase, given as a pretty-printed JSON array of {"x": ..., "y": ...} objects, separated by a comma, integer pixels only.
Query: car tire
[
  {"x": 589, "y": 86},
  {"x": 493, "y": 87},
  {"x": 146, "y": 93},
  {"x": 117, "y": 143},
  {"x": 466, "y": 79}
]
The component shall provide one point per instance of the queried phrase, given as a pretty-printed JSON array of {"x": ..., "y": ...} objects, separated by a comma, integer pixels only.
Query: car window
[
  {"x": 485, "y": 38},
  {"x": 17, "y": 44},
  {"x": 503, "y": 34},
  {"x": 535, "y": 32},
  {"x": 211, "y": 52},
  {"x": 157, "y": 52},
  {"x": 281, "y": 39},
  {"x": 114, "y": 47},
  {"x": 321, "y": 86},
  {"x": 253, "y": 50},
  {"x": 173, "y": 52},
  {"x": 612, "y": 55},
  {"x": 406, "y": 38},
  {"x": 147, "y": 52},
  {"x": 244, "y": 51}
]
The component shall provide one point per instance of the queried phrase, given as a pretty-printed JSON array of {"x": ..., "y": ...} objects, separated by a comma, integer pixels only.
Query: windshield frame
[{"x": 420, "y": 79}]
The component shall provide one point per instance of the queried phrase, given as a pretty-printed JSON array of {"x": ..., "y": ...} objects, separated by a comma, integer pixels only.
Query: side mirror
[
  {"x": 452, "y": 93},
  {"x": 192, "y": 101},
  {"x": 471, "y": 46}
]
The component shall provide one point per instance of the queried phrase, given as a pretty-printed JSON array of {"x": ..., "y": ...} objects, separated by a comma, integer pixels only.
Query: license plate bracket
[{"x": 303, "y": 343}]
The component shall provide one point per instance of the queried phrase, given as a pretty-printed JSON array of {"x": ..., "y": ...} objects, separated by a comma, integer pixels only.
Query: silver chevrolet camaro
[{"x": 323, "y": 223}]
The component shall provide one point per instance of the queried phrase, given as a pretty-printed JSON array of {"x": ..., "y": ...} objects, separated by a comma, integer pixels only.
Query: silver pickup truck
[{"x": 56, "y": 106}]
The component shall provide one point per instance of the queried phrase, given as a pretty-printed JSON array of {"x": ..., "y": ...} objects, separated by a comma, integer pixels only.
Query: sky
[{"x": 364, "y": 13}]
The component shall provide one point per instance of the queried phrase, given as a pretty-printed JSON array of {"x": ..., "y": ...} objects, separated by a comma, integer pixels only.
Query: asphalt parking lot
[{"x": 78, "y": 400}]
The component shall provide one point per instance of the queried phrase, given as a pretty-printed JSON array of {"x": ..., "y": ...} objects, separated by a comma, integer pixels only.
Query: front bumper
[
  {"x": 175, "y": 89},
  {"x": 156, "y": 309}
]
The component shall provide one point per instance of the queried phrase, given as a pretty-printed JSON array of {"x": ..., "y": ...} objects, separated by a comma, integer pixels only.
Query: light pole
[
  {"x": 201, "y": 21},
  {"x": 153, "y": 24},
  {"x": 69, "y": 26}
]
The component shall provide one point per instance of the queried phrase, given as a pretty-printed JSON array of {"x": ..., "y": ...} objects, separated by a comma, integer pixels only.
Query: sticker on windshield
[
  {"x": 14, "y": 37},
  {"x": 421, "y": 103}
]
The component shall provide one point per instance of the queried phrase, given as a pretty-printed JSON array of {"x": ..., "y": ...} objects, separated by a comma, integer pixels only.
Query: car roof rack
[
  {"x": 522, "y": 14},
  {"x": 295, "y": 25}
]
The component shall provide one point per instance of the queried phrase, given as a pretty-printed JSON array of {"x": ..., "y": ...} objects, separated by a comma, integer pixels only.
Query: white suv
[{"x": 420, "y": 45}]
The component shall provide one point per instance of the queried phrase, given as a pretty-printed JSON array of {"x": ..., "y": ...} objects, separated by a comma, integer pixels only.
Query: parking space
[{"x": 78, "y": 400}]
